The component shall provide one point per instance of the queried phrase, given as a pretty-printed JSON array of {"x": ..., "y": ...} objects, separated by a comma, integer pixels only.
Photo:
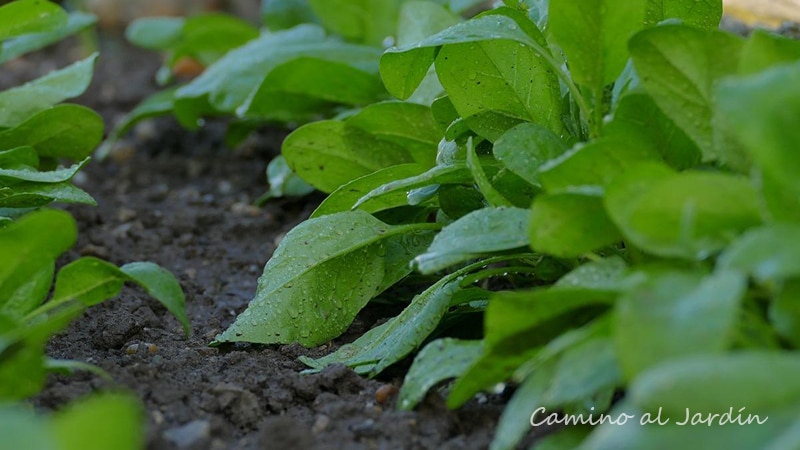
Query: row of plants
[
  {"x": 608, "y": 186},
  {"x": 38, "y": 134}
]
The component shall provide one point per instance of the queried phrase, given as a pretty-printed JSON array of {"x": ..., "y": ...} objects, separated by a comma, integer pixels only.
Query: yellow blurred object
[{"x": 769, "y": 13}]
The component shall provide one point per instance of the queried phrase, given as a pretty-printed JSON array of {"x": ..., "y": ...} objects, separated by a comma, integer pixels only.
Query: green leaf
[
  {"x": 284, "y": 14},
  {"x": 676, "y": 314},
  {"x": 605, "y": 275},
  {"x": 232, "y": 82},
  {"x": 503, "y": 78},
  {"x": 20, "y": 156},
  {"x": 763, "y": 50},
  {"x": 570, "y": 225},
  {"x": 343, "y": 198},
  {"x": 20, "y": 103},
  {"x": 100, "y": 422},
  {"x": 526, "y": 147},
  {"x": 689, "y": 215},
  {"x": 769, "y": 254},
  {"x": 593, "y": 166},
  {"x": 283, "y": 182},
  {"x": 63, "y": 131},
  {"x": 29, "y": 16},
  {"x": 92, "y": 281},
  {"x": 593, "y": 35},
  {"x": 440, "y": 174},
  {"x": 420, "y": 19},
  {"x": 162, "y": 286},
  {"x": 23, "y": 430},
  {"x": 34, "y": 194},
  {"x": 704, "y": 14},
  {"x": 323, "y": 272},
  {"x": 155, "y": 33},
  {"x": 638, "y": 121},
  {"x": 478, "y": 233},
  {"x": 438, "y": 361},
  {"x": 367, "y": 21},
  {"x": 392, "y": 341},
  {"x": 678, "y": 66},
  {"x": 408, "y": 125},
  {"x": 13, "y": 48},
  {"x": 27, "y": 295},
  {"x": 403, "y": 68},
  {"x": 30, "y": 246},
  {"x": 208, "y": 37},
  {"x": 762, "y": 117},
  {"x": 329, "y": 154},
  {"x": 493, "y": 196},
  {"x": 53, "y": 176}
]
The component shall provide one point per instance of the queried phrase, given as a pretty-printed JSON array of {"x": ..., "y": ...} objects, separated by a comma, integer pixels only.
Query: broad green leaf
[
  {"x": 155, "y": 33},
  {"x": 283, "y": 182},
  {"x": 570, "y": 225},
  {"x": 678, "y": 66},
  {"x": 20, "y": 156},
  {"x": 458, "y": 201},
  {"x": 593, "y": 166},
  {"x": 302, "y": 84},
  {"x": 329, "y": 154},
  {"x": 13, "y": 48},
  {"x": 160, "y": 284},
  {"x": 53, "y": 176},
  {"x": 323, "y": 272},
  {"x": 343, "y": 198},
  {"x": 606, "y": 275},
  {"x": 63, "y": 131},
  {"x": 29, "y": 294},
  {"x": 438, "y": 361},
  {"x": 30, "y": 245},
  {"x": 763, "y": 50},
  {"x": 526, "y": 147},
  {"x": 283, "y": 14},
  {"x": 20, "y": 103},
  {"x": 712, "y": 384},
  {"x": 761, "y": 111},
  {"x": 233, "y": 81},
  {"x": 92, "y": 281},
  {"x": 420, "y": 19},
  {"x": 481, "y": 232},
  {"x": 208, "y": 37},
  {"x": 503, "y": 79},
  {"x": 676, "y": 314},
  {"x": 33, "y": 194},
  {"x": 594, "y": 34},
  {"x": 100, "y": 423},
  {"x": 769, "y": 254},
  {"x": 517, "y": 325},
  {"x": 29, "y": 16},
  {"x": 367, "y": 21},
  {"x": 639, "y": 122},
  {"x": 22, "y": 429},
  {"x": 704, "y": 14},
  {"x": 689, "y": 215},
  {"x": 389, "y": 343},
  {"x": 403, "y": 68},
  {"x": 408, "y": 125}
]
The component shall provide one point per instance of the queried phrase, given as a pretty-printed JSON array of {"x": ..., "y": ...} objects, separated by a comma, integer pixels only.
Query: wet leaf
[
  {"x": 480, "y": 232},
  {"x": 526, "y": 147},
  {"x": 438, "y": 361},
  {"x": 769, "y": 254}
]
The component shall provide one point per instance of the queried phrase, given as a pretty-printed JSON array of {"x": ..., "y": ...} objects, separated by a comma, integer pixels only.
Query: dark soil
[{"x": 183, "y": 200}]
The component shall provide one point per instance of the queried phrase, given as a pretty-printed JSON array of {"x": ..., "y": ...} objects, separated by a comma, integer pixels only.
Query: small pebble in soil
[
  {"x": 365, "y": 428},
  {"x": 385, "y": 393},
  {"x": 189, "y": 435},
  {"x": 321, "y": 424}
]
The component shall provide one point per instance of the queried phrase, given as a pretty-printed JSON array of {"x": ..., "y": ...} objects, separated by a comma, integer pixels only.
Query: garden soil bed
[{"x": 183, "y": 200}]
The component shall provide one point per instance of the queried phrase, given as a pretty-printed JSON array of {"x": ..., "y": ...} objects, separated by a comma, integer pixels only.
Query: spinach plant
[
  {"x": 36, "y": 135},
  {"x": 608, "y": 185}
]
